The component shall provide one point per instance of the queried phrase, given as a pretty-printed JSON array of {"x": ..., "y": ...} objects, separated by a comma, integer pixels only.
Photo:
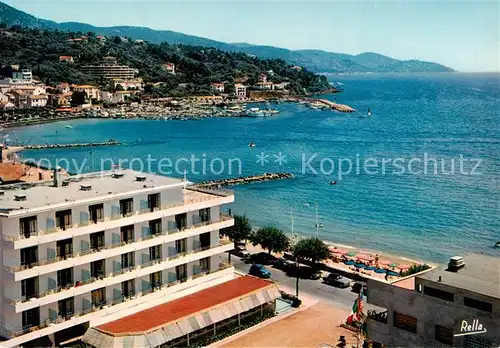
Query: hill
[
  {"x": 314, "y": 60},
  {"x": 40, "y": 49}
]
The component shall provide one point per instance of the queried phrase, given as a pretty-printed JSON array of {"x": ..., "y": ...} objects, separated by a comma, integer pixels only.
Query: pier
[
  {"x": 65, "y": 146},
  {"x": 244, "y": 180},
  {"x": 338, "y": 107}
]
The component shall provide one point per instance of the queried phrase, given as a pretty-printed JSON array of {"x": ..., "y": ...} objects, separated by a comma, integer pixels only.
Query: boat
[
  {"x": 255, "y": 112},
  {"x": 69, "y": 126},
  {"x": 497, "y": 245},
  {"x": 319, "y": 225},
  {"x": 369, "y": 112},
  {"x": 251, "y": 145}
]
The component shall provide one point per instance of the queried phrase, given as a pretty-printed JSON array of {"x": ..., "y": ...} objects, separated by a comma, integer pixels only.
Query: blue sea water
[{"x": 427, "y": 216}]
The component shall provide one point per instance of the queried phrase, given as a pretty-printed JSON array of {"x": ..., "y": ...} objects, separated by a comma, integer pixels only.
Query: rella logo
[{"x": 470, "y": 329}]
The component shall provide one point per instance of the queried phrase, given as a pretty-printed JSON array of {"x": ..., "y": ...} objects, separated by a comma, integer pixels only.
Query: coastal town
[{"x": 122, "y": 257}]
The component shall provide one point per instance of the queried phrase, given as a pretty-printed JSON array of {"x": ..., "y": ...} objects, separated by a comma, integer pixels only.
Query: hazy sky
[{"x": 464, "y": 35}]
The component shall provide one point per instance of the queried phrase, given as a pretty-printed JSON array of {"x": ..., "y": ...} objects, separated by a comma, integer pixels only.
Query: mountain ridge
[{"x": 316, "y": 60}]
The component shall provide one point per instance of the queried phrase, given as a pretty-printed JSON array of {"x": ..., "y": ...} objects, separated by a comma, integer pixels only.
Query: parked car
[
  {"x": 260, "y": 271},
  {"x": 242, "y": 253},
  {"x": 261, "y": 258},
  {"x": 283, "y": 264},
  {"x": 337, "y": 280},
  {"x": 304, "y": 272},
  {"x": 358, "y": 286}
]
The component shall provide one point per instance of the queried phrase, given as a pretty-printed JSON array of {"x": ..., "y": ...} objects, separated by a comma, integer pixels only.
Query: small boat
[
  {"x": 334, "y": 182},
  {"x": 497, "y": 245},
  {"x": 251, "y": 145},
  {"x": 369, "y": 113},
  {"x": 319, "y": 225},
  {"x": 69, "y": 126}
]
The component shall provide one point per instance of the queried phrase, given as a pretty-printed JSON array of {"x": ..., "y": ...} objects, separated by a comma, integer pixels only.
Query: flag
[{"x": 357, "y": 310}]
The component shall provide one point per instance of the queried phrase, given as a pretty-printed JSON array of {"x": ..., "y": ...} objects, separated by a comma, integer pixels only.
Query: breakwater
[
  {"x": 65, "y": 146},
  {"x": 244, "y": 180},
  {"x": 338, "y": 107}
]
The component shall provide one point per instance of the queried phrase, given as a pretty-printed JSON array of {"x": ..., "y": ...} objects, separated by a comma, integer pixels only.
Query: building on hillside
[
  {"x": 132, "y": 84},
  {"x": 22, "y": 76},
  {"x": 240, "y": 91},
  {"x": 95, "y": 248},
  {"x": 59, "y": 100},
  {"x": 263, "y": 78},
  {"x": 3, "y": 97},
  {"x": 296, "y": 68},
  {"x": 109, "y": 69},
  {"x": 217, "y": 87},
  {"x": 241, "y": 79},
  {"x": 91, "y": 91},
  {"x": 169, "y": 67},
  {"x": 7, "y": 105},
  {"x": 63, "y": 88},
  {"x": 112, "y": 98},
  {"x": 139, "y": 42},
  {"x": 67, "y": 59},
  {"x": 432, "y": 309},
  {"x": 20, "y": 98},
  {"x": 101, "y": 38},
  {"x": 264, "y": 85},
  {"x": 37, "y": 101},
  {"x": 280, "y": 86}
]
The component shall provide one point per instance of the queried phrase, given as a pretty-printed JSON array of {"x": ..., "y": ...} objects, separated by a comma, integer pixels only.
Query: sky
[{"x": 464, "y": 35}]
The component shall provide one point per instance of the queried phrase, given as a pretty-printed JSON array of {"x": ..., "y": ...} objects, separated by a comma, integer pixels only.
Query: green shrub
[{"x": 415, "y": 269}]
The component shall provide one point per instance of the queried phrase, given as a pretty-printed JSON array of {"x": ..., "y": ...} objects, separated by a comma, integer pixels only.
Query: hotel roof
[
  {"x": 43, "y": 194},
  {"x": 481, "y": 275}
]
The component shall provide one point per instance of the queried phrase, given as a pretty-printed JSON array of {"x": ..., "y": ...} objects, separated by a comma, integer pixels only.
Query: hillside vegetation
[
  {"x": 39, "y": 49},
  {"x": 314, "y": 60}
]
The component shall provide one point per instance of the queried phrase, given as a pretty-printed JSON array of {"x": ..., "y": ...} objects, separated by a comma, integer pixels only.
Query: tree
[
  {"x": 312, "y": 249},
  {"x": 241, "y": 230},
  {"x": 271, "y": 238}
]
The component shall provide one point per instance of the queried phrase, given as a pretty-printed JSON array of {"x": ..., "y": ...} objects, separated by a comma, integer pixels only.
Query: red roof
[{"x": 185, "y": 306}]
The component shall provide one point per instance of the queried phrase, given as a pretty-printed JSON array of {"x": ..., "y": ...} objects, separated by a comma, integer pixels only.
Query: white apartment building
[
  {"x": 24, "y": 75},
  {"x": 95, "y": 248}
]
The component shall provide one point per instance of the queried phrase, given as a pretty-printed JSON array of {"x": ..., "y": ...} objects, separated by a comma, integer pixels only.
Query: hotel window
[
  {"x": 97, "y": 269},
  {"x": 405, "y": 322},
  {"x": 181, "y": 221},
  {"x": 181, "y": 245},
  {"x": 154, "y": 201},
  {"x": 181, "y": 272},
  {"x": 28, "y": 226},
  {"x": 205, "y": 264},
  {"x": 127, "y": 234},
  {"x": 97, "y": 240},
  {"x": 64, "y": 248},
  {"x": 128, "y": 288},
  {"x": 31, "y": 317},
  {"x": 205, "y": 214},
  {"x": 65, "y": 277},
  {"x": 443, "y": 295},
  {"x": 155, "y": 227},
  {"x": 98, "y": 297},
  {"x": 96, "y": 212},
  {"x": 29, "y": 287},
  {"x": 126, "y": 206},
  {"x": 128, "y": 260},
  {"x": 29, "y": 256},
  {"x": 476, "y": 342},
  {"x": 443, "y": 334},
  {"x": 63, "y": 219},
  {"x": 205, "y": 240},
  {"x": 66, "y": 307},
  {"x": 155, "y": 252},
  {"x": 481, "y": 305},
  {"x": 155, "y": 279}
]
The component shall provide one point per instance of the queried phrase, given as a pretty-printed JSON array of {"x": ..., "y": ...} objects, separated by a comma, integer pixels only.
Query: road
[{"x": 341, "y": 298}]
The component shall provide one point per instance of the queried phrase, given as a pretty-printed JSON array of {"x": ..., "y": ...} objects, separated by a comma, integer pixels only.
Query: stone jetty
[
  {"x": 244, "y": 180},
  {"x": 64, "y": 146},
  {"x": 338, "y": 107}
]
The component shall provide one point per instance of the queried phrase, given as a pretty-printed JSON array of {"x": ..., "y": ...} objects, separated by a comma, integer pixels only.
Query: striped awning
[{"x": 100, "y": 338}]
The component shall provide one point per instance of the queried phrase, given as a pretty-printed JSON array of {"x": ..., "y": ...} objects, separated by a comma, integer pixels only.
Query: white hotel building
[{"x": 95, "y": 248}]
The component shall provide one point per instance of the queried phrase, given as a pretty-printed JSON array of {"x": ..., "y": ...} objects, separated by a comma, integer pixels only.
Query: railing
[
  {"x": 113, "y": 274},
  {"x": 12, "y": 332},
  {"x": 188, "y": 199},
  {"x": 381, "y": 317},
  {"x": 89, "y": 251}
]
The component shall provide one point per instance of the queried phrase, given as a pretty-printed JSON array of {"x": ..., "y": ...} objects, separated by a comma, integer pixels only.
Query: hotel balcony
[
  {"x": 194, "y": 199},
  {"x": 110, "y": 310},
  {"x": 76, "y": 288}
]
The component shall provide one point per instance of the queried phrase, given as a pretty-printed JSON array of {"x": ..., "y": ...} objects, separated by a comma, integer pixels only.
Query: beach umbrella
[
  {"x": 362, "y": 256},
  {"x": 384, "y": 262},
  {"x": 351, "y": 253},
  {"x": 379, "y": 271},
  {"x": 369, "y": 258},
  {"x": 393, "y": 265},
  {"x": 403, "y": 267},
  {"x": 392, "y": 273},
  {"x": 340, "y": 251},
  {"x": 349, "y": 263},
  {"x": 359, "y": 265},
  {"x": 370, "y": 268}
]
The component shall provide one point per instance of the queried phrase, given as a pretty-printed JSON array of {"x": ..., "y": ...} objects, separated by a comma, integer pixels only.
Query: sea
[{"x": 414, "y": 172}]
